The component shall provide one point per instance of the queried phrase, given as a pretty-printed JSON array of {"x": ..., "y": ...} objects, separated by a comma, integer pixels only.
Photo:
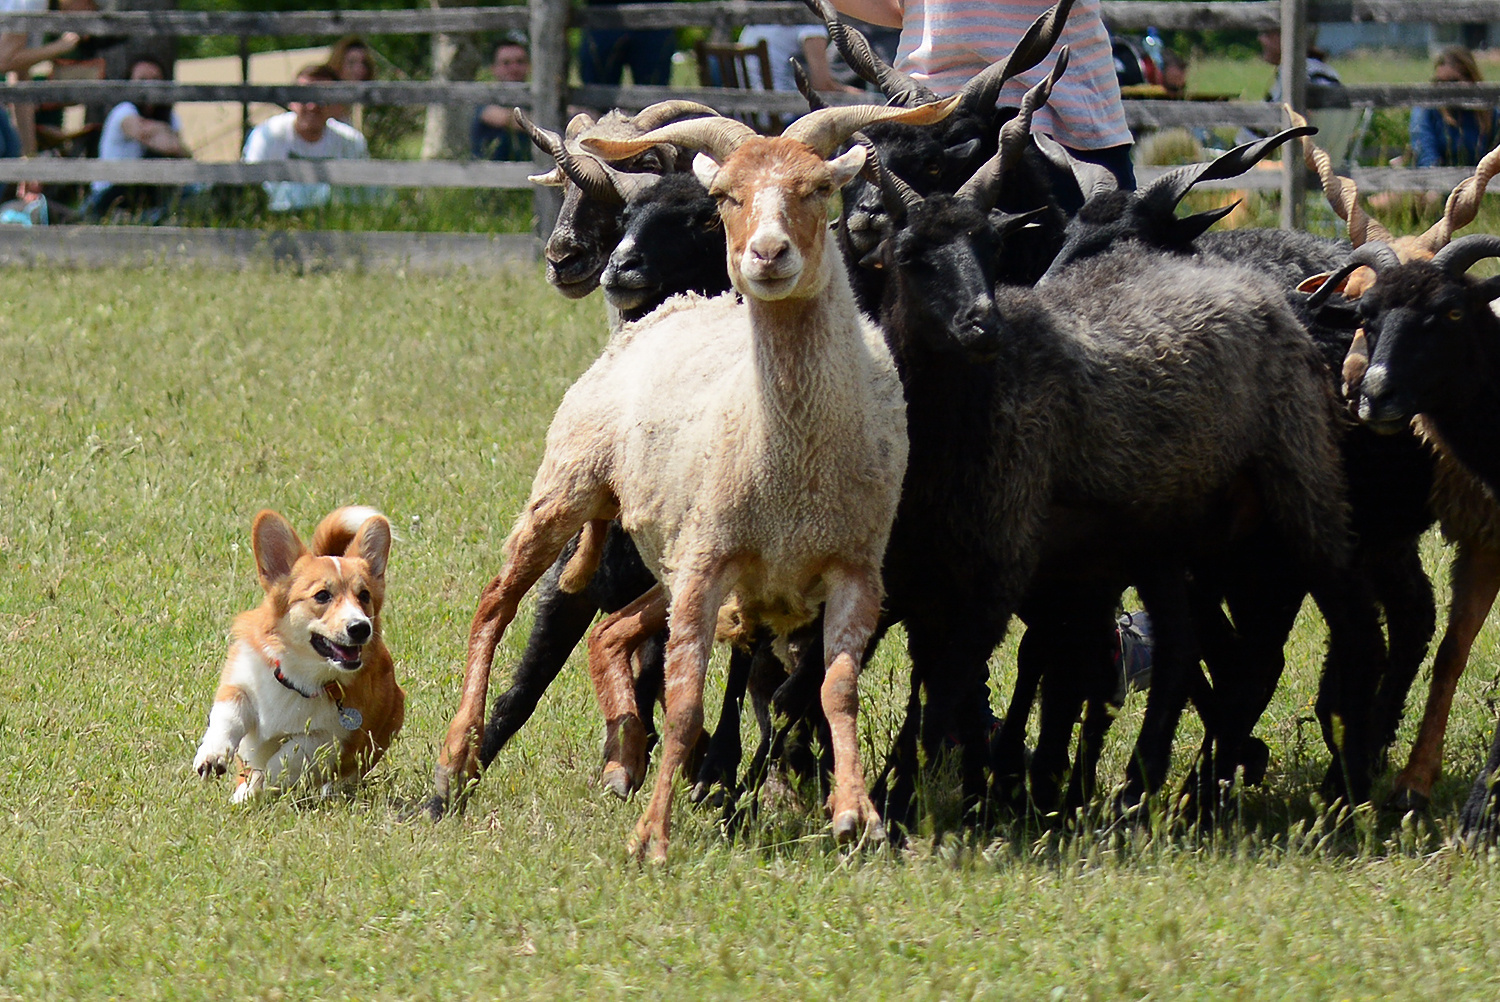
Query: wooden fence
[{"x": 548, "y": 96}]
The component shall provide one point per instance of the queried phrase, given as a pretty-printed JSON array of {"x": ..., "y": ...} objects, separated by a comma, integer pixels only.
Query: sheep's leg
[
  {"x": 1174, "y": 659},
  {"x": 561, "y": 621},
  {"x": 722, "y": 762},
  {"x": 539, "y": 536},
  {"x": 1476, "y": 580},
  {"x": 1346, "y": 692},
  {"x": 611, "y": 645},
  {"x": 849, "y": 618},
  {"x": 693, "y": 617},
  {"x": 1405, "y": 593}
]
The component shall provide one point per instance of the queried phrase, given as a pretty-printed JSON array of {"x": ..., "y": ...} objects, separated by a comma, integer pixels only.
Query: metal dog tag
[{"x": 350, "y": 718}]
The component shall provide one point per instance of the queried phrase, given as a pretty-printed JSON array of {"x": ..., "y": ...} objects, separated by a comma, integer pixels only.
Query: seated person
[
  {"x": 351, "y": 57},
  {"x": 1453, "y": 137},
  {"x": 307, "y": 132},
  {"x": 493, "y": 134},
  {"x": 807, "y": 42},
  {"x": 18, "y": 138},
  {"x": 136, "y": 132}
]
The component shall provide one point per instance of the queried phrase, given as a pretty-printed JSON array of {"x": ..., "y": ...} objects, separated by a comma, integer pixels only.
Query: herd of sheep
[{"x": 997, "y": 386}]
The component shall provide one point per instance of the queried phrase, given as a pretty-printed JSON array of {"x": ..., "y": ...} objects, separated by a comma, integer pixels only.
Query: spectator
[
  {"x": 1453, "y": 137},
  {"x": 944, "y": 43},
  {"x": 603, "y": 54},
  {"x": 808, "y": 42},
  {"x": 307, "y": 132},
  {"x": 1173, "y": 75},
  {"x": 352, "y": 58},
  {"x": 18, "y": 136},
  {"x": 1319, "y": 73},
  {"x": 493, "y": 134},
  {"x": 136, "y": 132}
]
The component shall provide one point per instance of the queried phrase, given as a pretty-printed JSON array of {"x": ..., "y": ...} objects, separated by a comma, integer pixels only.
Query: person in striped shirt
[{"x": 946, "y": 42}]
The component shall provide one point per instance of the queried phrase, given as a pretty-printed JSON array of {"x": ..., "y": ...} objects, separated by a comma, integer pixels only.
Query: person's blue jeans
[
  {"x": 604, "y": 54},
  {"x": 10, "y": 139}
]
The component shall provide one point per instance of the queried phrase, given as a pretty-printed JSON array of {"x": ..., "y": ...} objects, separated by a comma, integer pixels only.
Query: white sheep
[{"x": 754, "y": 450}]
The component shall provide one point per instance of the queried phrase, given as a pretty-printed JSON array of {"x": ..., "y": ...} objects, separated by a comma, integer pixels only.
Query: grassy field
[{"x": 146, "y": 415}]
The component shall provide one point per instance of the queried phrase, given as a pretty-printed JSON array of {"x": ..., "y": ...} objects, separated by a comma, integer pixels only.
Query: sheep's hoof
[
  {"x": 648, "y": 845},
  {"x": 624, "y": 756},
  {"x": 861, "y": 821},
  {"x": 616, "y": 779},
  {"x": 1404, "y": 798}
]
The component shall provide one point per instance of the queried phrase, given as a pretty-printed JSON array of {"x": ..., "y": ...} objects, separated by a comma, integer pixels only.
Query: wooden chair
[{"x": 729, "y": 64}]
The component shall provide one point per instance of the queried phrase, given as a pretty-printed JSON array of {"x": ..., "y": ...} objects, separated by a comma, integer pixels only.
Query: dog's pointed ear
[
  {"x": 372, "y": 544},
  {"x": 277, "y": 547}
]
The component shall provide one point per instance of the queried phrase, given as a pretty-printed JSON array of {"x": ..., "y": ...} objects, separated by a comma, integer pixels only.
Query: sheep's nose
[
  {"x": 1374, "y": 384},
  {"x": 766, "y": 249},
  {"x": 358, "y": 630}
]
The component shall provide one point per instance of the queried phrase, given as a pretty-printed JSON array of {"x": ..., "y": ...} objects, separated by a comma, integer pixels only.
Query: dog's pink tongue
[{"x": 345, "y": 653}]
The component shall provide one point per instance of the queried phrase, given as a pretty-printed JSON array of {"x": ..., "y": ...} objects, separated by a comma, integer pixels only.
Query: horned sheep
[{"x": 777, "y": 484}]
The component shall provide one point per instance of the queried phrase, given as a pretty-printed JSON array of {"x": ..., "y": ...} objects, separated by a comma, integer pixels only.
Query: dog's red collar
[{"x": 349, "y": 717}]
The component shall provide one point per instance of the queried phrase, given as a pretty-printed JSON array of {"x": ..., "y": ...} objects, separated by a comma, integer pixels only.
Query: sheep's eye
[
  {"x": 1455, "y": 315},
  {"x": 935, "y": 170},
  {"x": 323, "y": 597},
  {"x": 725, "y": 197}
]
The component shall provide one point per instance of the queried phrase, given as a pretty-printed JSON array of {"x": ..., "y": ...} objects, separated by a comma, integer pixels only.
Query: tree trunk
[{"x": 454, "y": 58}]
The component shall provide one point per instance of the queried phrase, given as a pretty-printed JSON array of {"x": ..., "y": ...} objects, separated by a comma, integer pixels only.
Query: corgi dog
[{"x": 308, "y": 693}]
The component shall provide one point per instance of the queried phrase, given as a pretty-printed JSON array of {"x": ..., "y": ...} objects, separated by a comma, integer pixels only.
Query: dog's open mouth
[{"x": 347, "y": 658}]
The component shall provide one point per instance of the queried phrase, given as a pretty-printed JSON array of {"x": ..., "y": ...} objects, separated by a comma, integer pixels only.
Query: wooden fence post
[
  {"x": 1294, "y": 41},
  {"x": 549, "y": 95}
]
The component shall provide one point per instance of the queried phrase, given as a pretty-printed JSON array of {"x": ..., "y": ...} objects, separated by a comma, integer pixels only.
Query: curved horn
[
  {"x": 577, "y": 124},
  {"x": 1463, "y": 253},
  {"x": 554, "y": 178},
  {"x": 900, "y": 198},
  {"x": 1463, "y": 204},
  {"x": 826, "y": 130},
  {"x": 585, "y": 172},
  {"x": 662, "y": 112},
  {"x": 628, "y": 185},
  {"x": 1374, "y": 255},
  {"x": 984, "y": 89},
  {"x": 862, "y": 59},
  {"x": 718, "y": 137},
  {"x": 799, "y": 73},
  {"x": 1166, "y": 191},
  {"x": 984, "y": 187},
  {"x": 1341, "y": 192}
]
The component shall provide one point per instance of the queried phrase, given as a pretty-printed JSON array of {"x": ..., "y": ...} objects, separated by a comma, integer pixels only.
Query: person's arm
[
  {"x": 815, "y": 51},
  {"x": 886, "y": 13},
  {"x": 15, "y": 57},
  {"x": 154, "y": 135},
  {"x": 1426, "y": 141},
  {"x": 497, "y": 117}
]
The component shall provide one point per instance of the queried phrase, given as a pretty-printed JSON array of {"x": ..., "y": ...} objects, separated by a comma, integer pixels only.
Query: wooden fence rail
[{"x": 548, "y": 95}]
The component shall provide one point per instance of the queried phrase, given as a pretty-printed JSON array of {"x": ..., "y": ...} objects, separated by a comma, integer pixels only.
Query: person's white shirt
[
  {"x": 114, "y": 144},
  {"x": 783, "y": 41},
  {"x": 276, "y": 139}
]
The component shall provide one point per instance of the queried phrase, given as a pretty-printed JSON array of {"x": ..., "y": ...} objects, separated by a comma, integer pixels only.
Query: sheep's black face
[
  {"x": 586, "y": 232},
  {"x": 1113, "y": 217},
  {"x": 942, "y": 274},
  {"x": 673, "y": 241},
  {"x": 1424, "y": 352},
  {"x": 925, "y": 160}
]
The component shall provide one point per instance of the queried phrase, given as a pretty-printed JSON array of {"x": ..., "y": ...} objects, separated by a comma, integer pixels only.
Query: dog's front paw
[{"x": 212, "y": 762}]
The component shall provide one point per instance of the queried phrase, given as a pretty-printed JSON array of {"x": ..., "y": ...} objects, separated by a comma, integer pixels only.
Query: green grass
[{"x": 146, "y": 415}]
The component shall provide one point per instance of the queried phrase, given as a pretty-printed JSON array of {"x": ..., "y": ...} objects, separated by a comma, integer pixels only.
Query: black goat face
[
  {"x": 672, "y": 241},
  {"x": 942, "y": 276},
  {"x": 586, "y": 231},
  {"x": 918, "y": 157},
  {"x": 1425, "y": 356}
]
